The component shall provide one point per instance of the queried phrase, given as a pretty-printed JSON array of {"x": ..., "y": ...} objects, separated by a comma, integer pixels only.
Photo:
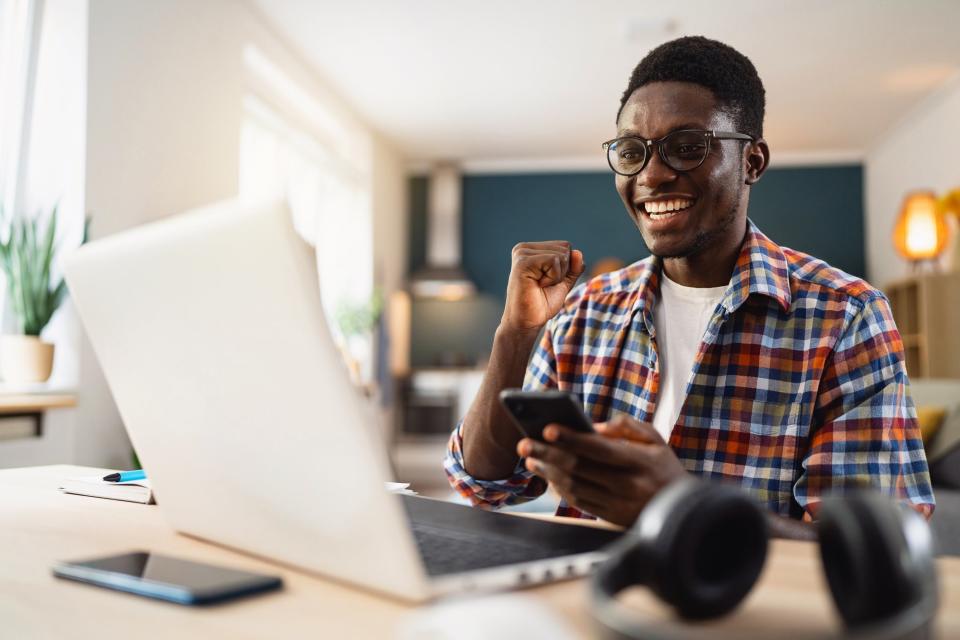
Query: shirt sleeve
[
  {"x": 521, "y": 485},
  {"x": 865, "y": 430}
]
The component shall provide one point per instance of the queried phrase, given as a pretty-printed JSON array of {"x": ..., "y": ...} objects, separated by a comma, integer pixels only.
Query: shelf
[
  {"x": 35, "y": 402},
  {"x": 926, "y": 309},
  {"x": 911, "y": 340}
]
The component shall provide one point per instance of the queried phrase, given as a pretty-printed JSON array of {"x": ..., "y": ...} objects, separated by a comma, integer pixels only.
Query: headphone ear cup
[
  {"x": 700, "y": 547},
  {"x": 715, "y": 555},
  {"x": 863, "y": 548}
]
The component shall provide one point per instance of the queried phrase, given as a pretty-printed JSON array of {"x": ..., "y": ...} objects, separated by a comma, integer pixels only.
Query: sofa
[{"x": 938, "y": 405}]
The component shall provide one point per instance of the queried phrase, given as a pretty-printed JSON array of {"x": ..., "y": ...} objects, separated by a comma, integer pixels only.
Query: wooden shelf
[
  {"x": 35, "y": 402},
  {"x": 911, "y": 340},
  {"x": 926, "y": 309}
]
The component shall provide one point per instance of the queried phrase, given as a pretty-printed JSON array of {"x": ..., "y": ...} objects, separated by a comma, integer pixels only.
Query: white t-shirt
[{"x": 680, "y": 317}]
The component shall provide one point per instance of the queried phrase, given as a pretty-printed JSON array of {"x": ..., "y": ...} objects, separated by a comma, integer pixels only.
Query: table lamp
[{"x": 921, "y": 232}]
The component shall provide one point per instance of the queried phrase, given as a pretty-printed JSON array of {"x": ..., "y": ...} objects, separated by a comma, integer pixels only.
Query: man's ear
[{"x": 756, "y": 160}]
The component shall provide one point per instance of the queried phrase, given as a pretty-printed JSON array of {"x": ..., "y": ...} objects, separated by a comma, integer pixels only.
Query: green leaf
[
  {"x": 57, "y": 296},
  {"x": 46, "y": 252}
]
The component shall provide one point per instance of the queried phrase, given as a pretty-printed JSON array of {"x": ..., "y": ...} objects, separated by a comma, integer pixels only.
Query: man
[{"x": 722, "y": 355}]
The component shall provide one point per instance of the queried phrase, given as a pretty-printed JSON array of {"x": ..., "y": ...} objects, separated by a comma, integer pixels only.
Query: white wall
[
  {"x": 166, "y": 81},
  {"x": 922, "y": 152},
  {"x": 390, "y": 228},
  {"x": 390, "y": 232}
]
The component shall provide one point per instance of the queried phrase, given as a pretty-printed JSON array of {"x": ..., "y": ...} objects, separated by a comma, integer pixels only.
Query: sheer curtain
[
  {"x": 19, "y": 40},
  {"x": 293, "y": 145},
  {"x": 20, "y": 22}
]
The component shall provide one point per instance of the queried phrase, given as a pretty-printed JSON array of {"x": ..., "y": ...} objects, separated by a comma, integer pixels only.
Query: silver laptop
[{"x": 211, "y": 334}]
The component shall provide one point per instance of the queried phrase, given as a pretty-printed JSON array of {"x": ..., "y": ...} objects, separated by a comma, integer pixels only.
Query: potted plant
[
  {"x": 357, "y": 321},
  {"x": 33, "y": 293}
]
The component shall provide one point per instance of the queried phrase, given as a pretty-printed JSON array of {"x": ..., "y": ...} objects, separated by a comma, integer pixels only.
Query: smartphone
[
  {"x": 533, "y": 410},
  {"x": 167, "y": 578}
]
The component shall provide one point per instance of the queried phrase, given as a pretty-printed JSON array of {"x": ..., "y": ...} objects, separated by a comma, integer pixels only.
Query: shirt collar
[{"x": 761, "y": 268}]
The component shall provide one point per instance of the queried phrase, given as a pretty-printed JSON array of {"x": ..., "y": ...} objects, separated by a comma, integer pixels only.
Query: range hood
[{"x": 443, "y": 278}]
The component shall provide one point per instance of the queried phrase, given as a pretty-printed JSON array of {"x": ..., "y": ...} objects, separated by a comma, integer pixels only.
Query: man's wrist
[
  {"x": 785, "y": 527},
  {"x": 515, "y": 339}
]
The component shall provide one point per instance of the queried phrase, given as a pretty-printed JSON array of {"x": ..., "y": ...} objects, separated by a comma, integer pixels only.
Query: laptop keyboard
[{"x": 452, "y": 551}]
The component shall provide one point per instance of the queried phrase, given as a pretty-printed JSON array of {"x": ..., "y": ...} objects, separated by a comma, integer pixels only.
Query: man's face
[{"x": 714, "y": 191}]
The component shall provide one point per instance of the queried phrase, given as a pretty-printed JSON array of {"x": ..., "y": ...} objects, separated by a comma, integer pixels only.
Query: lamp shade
[{"x": 921, "y": 232}]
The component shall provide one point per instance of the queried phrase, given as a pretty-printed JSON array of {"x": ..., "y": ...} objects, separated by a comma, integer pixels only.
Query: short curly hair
[{"x": 720, "y": 68}]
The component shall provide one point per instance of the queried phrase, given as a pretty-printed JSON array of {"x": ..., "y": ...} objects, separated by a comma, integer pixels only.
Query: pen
[{"x": 126, "y": 476}]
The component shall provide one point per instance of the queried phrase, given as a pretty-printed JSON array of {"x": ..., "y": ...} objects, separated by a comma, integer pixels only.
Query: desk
[{"x": 39, "y": 525}]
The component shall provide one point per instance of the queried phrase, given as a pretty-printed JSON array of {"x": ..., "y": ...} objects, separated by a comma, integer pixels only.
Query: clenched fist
[{"x": 541, "y": 276}]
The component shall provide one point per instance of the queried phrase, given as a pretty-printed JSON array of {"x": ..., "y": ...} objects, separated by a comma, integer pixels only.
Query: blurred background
[{"x": 417, "y": 142}]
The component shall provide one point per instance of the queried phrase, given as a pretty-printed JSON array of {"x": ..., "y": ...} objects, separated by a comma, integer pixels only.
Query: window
[
  {"x": 294, "y": 145},
  {"x": 19, "y": 40}
]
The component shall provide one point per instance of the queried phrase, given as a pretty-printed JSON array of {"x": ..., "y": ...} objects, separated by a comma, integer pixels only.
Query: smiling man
[{"x": 723, "y": 355}]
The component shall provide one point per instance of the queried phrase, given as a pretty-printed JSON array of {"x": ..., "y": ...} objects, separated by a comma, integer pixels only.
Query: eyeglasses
[{"x": 682, "y": 150}]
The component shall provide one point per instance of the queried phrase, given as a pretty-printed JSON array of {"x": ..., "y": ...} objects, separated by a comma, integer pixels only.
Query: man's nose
[{"x": 656, "y": 173}]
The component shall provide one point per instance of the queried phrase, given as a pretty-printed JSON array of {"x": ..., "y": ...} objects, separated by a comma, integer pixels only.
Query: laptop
[{"x": 211, "y": 334}]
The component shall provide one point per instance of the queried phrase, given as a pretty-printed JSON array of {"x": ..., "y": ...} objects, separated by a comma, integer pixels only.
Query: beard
[{"x": 705, "y": 237}]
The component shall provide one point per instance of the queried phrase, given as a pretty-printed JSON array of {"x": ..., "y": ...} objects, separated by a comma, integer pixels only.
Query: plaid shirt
[{"x": 798, "y": 389}]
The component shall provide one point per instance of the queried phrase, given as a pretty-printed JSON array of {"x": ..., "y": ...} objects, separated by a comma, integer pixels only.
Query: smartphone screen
[
  {"x": 533, "y": 410},
  {"x": 167, "y": 578}
]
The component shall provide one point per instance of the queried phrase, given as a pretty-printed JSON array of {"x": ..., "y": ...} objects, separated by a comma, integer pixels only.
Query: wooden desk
[{"x": 39, "y": 525}]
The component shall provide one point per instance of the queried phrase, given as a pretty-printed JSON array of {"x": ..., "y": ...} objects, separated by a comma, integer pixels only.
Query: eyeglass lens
[{"x": 682, "y": 150}]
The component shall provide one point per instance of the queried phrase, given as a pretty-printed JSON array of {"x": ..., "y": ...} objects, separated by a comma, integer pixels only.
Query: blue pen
[{"x": 126, "y": 476}]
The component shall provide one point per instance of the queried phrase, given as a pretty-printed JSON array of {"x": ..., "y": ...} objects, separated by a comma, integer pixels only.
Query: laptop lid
[{"x": 211, "y": 334}]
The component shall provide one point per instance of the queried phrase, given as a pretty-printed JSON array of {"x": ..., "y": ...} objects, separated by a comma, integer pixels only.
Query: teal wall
[
  {"x": 814, "y": 209},
  {"x": 818, "y": 210}
]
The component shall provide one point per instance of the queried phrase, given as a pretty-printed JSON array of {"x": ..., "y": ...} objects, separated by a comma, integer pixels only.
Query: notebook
[
  {"x": 132, "y": 491},
  {"x": 141, "y": 491}
]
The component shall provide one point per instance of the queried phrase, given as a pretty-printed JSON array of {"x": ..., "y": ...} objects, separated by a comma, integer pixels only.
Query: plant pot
[{"x": 25, "y": 359}]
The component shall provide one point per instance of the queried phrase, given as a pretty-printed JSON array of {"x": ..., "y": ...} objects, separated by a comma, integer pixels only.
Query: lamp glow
[{"x": 921, "y": 231}]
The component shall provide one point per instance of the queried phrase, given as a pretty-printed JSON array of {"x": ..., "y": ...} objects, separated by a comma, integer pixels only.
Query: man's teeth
[{"x": 666, "y": 208}]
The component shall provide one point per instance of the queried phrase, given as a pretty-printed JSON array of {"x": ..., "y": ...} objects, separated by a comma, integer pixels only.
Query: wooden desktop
[{"x": 39, "y": 525}]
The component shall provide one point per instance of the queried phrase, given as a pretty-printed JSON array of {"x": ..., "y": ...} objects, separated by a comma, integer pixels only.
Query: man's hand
[
  {"x": 612, "y": 474},
  {"x": 541, "y": 276}
]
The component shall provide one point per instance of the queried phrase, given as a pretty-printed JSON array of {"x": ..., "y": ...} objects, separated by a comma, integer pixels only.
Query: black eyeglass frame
[{"x": 648, "y": 144}]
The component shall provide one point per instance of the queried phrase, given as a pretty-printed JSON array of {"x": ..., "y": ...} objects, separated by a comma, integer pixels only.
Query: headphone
[{"x": 701, "y": 547}]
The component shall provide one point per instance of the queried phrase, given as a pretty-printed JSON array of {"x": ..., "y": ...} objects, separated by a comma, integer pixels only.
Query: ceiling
[{"x": 540, "y": 81}]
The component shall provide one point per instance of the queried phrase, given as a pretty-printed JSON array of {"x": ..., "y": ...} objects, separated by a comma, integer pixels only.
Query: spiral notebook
[{"x": 132, "y": 491}]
